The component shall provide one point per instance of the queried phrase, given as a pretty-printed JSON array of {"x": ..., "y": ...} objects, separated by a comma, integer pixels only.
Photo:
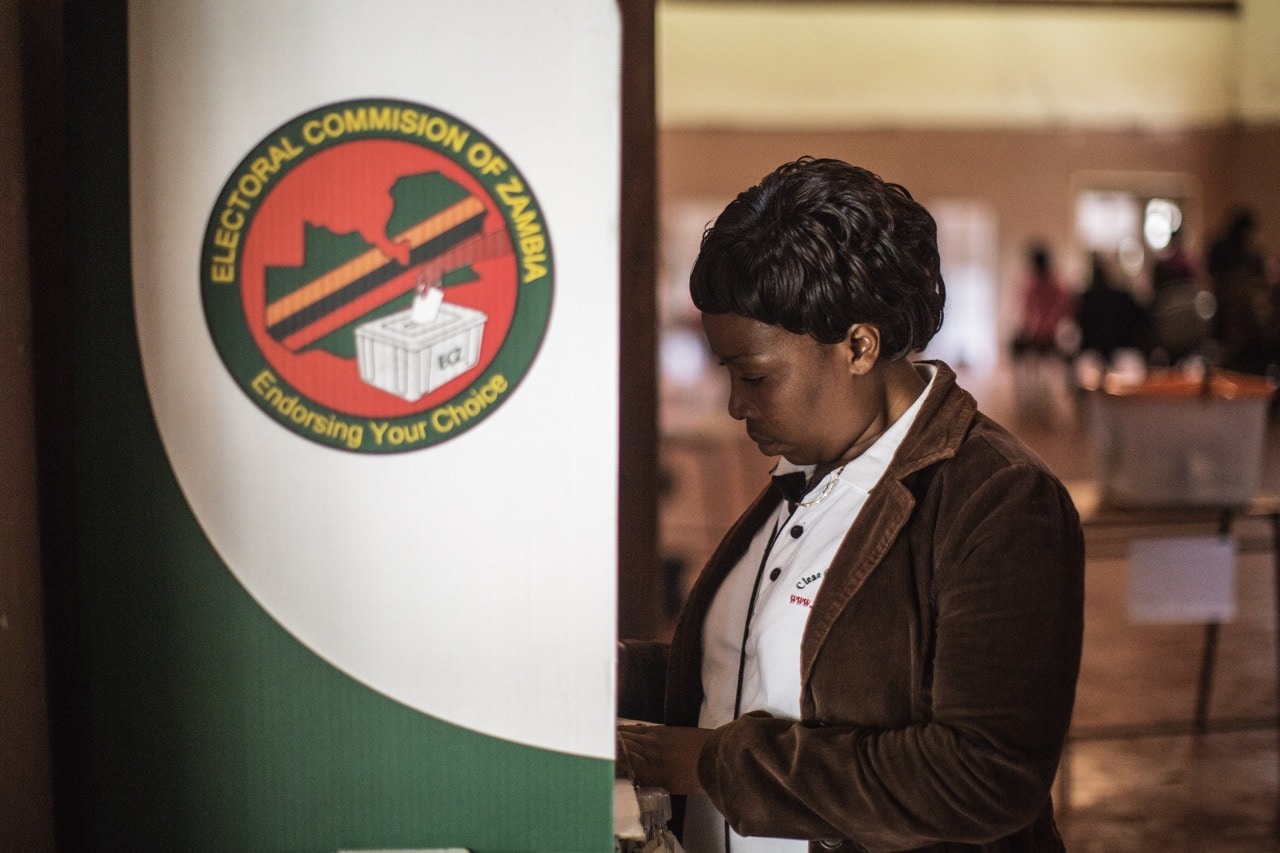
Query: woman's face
[{"x": 800, "y": 399}]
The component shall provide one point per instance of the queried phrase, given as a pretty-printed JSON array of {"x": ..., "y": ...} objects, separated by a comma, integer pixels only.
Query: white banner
[{"x": 375, "y": 248}]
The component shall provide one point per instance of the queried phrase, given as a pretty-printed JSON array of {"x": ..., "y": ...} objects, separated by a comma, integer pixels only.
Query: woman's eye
[{"x": 753, "y": 380}]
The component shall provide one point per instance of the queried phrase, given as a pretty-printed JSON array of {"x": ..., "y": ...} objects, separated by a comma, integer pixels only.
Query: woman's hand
[{"x": 662, "y": 756}]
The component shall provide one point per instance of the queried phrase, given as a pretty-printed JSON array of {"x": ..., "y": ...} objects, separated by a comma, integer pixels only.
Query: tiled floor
[{"x": 1169, "y": 790}]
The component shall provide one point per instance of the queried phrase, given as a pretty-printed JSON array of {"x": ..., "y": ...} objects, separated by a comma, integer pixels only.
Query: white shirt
[{"x": 790, "y": 575}]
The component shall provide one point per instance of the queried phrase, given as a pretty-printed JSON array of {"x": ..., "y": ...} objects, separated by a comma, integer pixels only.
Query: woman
[{"x": 884, "y": 658}]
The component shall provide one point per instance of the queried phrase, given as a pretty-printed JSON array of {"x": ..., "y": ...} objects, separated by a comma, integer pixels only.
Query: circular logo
[{"x": 377, "y": 276}]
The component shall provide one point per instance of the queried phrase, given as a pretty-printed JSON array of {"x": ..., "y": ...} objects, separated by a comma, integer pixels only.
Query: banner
[{"x": 374, "y": 279}]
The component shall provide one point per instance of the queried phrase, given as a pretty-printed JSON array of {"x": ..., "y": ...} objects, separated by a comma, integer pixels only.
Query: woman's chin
[{"x": 771, "y": 448}]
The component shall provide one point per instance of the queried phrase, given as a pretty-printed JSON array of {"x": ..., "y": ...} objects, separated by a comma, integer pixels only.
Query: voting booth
[{"x": 347, "y": 342}]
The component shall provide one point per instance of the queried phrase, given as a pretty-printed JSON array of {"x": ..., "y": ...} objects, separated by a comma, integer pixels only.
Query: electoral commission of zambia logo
[{"x": 377, "y": 276}]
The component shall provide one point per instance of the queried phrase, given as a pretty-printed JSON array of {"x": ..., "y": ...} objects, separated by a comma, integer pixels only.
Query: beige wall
[
  {"x": 25, "y": 810},
  {"x": 1007, "y": 105},
  {"x": 907, "y": 64},
  {"x": 1026, "y": 176}
]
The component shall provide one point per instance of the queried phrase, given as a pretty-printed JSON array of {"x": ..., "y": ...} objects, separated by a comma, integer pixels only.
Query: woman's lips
[{"x": 762, "y": 441}]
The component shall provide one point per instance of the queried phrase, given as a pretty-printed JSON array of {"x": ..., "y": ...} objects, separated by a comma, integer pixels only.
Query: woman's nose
[{"x": 737, "y": 408}]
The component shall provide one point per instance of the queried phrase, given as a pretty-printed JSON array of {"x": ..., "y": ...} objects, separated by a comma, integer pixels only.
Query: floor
[{"x": 1166, "y": 789}]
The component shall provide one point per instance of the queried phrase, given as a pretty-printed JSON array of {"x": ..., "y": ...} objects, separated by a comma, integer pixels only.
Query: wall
[
  {"x": 1013, "y": 106},
  {"x": 1026, "y": 176},
  {"x": 814, "y": 65}
]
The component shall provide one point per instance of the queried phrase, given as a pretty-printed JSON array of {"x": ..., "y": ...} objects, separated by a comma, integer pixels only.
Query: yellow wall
[
  {"x": 1259, "y": 62},
  {"x": 857, "y": 65}
]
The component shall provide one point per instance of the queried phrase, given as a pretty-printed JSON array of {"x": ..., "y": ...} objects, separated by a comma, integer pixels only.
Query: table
[{"x": 1100, "y": 519}]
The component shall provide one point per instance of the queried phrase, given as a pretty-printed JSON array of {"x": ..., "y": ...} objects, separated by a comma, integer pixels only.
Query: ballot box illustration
[{"x": 403, "y": 356}]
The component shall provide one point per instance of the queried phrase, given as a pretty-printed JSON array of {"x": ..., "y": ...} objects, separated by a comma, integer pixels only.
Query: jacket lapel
[
  {"x": 877, "y": 527},
  {"x": 939, "y": 429}
]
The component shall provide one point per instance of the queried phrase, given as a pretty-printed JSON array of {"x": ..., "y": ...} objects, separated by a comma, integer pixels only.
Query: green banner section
[{"x": 209, "y": 727}]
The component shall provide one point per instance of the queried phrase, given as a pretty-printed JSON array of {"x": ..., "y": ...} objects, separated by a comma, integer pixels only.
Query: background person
[
  {"x": 1039, "y": 358},
  {"x": 1046, "y": 303},
  {"x": 1247, "y": 324},
  {"x": 1108, "y": 315},
  {"x": 1173, "y": 265},
  {"x": 882, "y": 653}
]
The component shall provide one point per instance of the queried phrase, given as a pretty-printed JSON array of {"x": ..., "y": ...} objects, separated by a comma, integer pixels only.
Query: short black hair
[{"x": 819, "y": 245}]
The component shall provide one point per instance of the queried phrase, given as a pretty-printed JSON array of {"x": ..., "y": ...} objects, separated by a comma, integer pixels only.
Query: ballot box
[
  {"x": 1178, "y": 438},
  {"x": 411, "y": 359}
]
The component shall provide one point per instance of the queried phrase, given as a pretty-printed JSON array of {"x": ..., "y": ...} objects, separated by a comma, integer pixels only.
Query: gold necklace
[{"x": 826, "y": 491}]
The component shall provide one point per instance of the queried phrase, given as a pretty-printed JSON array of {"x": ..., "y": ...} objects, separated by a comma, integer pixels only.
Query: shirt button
[
  {"x": 797, "y": 531},
  {"x": 775, "y": 574}
]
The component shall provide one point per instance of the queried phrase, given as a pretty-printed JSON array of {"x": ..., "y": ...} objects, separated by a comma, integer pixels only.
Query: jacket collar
[
  {"x": 937, "y": 434},
  {"x": 945, "y": 419}
]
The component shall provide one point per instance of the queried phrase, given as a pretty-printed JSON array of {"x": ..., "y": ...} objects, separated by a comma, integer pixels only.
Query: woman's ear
[{"x": 863, "y": 345}]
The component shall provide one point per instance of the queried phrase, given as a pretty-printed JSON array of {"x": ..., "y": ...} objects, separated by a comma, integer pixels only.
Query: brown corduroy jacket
[{"x": 939, "y": 661}]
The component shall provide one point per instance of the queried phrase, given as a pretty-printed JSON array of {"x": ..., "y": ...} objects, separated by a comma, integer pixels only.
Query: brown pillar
[
  {"x": 26, "y": 820},
  {"x": 639, "y": 587}
]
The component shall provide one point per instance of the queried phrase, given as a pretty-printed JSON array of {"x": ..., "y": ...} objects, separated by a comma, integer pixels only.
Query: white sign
[
  {"x": 1182, "y": 579},
  {"x": 446, "y": 535}
]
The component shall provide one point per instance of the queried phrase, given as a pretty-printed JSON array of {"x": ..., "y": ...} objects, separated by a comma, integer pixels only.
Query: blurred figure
[
  {"x": 1108, "y": 316},
  {"x": 1173, "y": 266},
  {"x": 1046, "y": 303},
  {"x": 1248, "y": 311},
  {"x": 1039, "y": 358}
]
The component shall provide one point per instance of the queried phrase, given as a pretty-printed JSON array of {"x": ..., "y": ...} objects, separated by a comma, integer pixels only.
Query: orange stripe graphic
[
  {"x": 472, "y": 249},
  {"x": 362, "y": 265}
]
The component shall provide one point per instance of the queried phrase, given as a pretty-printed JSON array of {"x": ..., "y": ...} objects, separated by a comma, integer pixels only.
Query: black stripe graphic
[{"x": 432, "y": 248}]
